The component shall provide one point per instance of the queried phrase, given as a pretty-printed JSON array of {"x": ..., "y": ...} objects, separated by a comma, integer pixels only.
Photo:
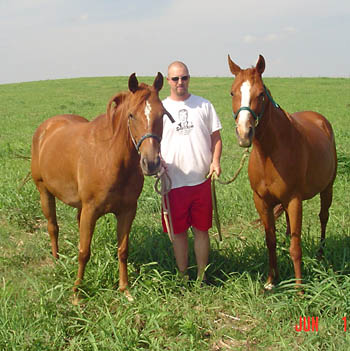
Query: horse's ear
[
  {"x": 235, "y": 69},
  {"x": 260, "y": 65},
  {"x": 133, "y": 83},
  {"x": 158, "y": 82},
  {"x": 114, "y": 102}
]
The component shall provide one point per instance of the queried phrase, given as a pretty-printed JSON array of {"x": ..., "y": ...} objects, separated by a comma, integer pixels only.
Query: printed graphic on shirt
[{"x": 185, "y": 126}]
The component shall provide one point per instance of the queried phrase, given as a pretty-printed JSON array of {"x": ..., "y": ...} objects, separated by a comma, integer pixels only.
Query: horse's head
[
  {"x": 145, "y": 113},
  {"x": 248, "y": 99}
]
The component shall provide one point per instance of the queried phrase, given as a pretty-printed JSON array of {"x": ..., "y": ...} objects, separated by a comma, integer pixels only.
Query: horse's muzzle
[
  {"x": 150, "y": 167},
  {"x": 245, "y": 139}
]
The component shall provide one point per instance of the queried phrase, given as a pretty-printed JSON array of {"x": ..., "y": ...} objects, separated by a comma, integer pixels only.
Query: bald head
[
  {"x": 177, "y": 65},
  {"x": 178, "y": 79}
]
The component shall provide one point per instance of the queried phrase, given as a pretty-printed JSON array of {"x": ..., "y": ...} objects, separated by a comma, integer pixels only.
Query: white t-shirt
[{"x": 186, "y": 144}]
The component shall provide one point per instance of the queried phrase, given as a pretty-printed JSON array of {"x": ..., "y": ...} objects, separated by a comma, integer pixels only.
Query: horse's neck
[
  {"x": 111, "y": 136},
  {"x": 273, "y": 131},
  {"x": 121, "y": 137}
]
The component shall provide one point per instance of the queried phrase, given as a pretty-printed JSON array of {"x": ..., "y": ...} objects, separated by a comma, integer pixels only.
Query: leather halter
[
  {"x": 147, "y": 135},
  {"x": 144, "y": 137},
  {"x": 255, "y": 116}
]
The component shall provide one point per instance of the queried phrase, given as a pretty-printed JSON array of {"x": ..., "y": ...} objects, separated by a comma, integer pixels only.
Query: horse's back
[
  {"x": 58, "y": 130},
  {"x": 51, "y": 125},
  {"x": 316, "y": 130},
  {"x": 58, "y": 121},
  {"x": 313, "y": 122}
]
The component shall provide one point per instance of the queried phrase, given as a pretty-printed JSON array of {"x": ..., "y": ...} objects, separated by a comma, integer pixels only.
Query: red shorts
[{"x": 190, "y": 206}]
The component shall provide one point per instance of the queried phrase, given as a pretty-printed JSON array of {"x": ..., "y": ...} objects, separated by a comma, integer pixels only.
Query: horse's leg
[
  {"x": 48, "y": 205},
  {"x": 268, "y": 219},
  {"x": 288, "y": 224},
  {"x": 87, "y": 222},
  {"x": 295, "y": 218},
  {"x": 124, "y": 222},
  {"x": 326, "y": 201},
  {"x": 78, "y": 217},
  {"x": 277, "y": 211}
]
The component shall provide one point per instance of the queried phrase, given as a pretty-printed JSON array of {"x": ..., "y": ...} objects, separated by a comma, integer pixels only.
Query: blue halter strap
[
  {"x": 144, "y": 137},
  {"x": 255, "y": 116},
  {"x": 148, "y": 135}
]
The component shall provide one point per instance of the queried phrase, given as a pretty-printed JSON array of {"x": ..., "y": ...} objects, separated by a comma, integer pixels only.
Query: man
[{"x": 191, "y": 148}]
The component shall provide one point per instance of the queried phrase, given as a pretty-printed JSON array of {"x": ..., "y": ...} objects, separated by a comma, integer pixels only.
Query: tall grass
[{"x": 232, "y": 312}]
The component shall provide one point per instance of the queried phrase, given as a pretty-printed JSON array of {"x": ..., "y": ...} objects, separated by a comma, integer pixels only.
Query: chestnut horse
[
  {"x": 98, "y": 167},
  {"x": 293, "y": 158}
]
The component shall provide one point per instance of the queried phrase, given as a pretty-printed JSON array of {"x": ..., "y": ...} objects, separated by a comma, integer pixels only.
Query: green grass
[{"x": 232, "y": 312}]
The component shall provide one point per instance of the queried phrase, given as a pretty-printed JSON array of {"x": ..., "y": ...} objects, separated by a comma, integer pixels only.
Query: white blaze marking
[
  {"x": 148, "y": 110},
  {"x": 245, "y": 101},
  {"x": 245, "y": 91}
]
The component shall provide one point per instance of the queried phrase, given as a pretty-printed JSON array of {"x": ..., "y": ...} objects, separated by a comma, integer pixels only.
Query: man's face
[{"x": 178, "y": 79}]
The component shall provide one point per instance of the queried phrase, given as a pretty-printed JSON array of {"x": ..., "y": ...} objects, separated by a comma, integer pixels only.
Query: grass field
[{"x": 232, "y": 312}]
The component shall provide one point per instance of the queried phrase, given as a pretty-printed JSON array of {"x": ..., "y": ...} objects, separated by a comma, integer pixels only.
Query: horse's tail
[
  {"x": 277, "y": 211},
  {"x": 24, "y": 180}
]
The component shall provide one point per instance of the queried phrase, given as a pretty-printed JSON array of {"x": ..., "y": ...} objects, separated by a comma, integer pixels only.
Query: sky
[{"x": 53, "y": 39}]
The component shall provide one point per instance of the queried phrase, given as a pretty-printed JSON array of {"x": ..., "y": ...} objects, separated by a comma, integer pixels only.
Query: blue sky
[{"x": 50, "y": 39}]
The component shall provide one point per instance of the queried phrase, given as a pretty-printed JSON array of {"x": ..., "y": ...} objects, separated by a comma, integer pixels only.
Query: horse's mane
[
  {"x": 122, "y": 102},
  {"x": 118, "y": 108}
]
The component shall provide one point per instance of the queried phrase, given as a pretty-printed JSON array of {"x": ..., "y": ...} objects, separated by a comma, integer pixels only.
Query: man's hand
[{"x": 214, "y": 167}]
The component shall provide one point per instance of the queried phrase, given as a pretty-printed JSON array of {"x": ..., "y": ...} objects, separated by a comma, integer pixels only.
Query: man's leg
[
  {"x": 201, "y": 250},
  {"x": 180, "y": 245}
]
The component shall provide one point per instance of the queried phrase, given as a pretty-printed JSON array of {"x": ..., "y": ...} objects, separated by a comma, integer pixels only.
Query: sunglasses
[{"x": 176, "y": 79}]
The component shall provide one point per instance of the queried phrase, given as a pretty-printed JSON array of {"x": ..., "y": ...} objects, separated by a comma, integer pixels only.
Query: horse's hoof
[
  {"x": 269, "y": 286},
  {"x": 76, "y": 299},
  {"x": 128, "y": 296},
  {"x": 300, "y": 292}
]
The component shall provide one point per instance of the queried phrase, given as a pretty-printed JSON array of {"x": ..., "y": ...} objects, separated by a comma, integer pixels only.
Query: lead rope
[
  {"x": 214, "y": 178},
  {"x": 163, "y": 178}
]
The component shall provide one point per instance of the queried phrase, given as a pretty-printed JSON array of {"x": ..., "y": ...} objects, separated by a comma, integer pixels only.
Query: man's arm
[{"x": 216, "y": 148}]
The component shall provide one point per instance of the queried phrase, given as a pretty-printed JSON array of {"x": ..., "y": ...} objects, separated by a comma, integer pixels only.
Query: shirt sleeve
[{"x": 214, "y": 121}]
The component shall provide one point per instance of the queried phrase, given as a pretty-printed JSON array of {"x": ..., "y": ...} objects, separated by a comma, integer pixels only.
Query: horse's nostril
[
  {"x": 157, "y": 163},
  {"x": 154, "y": 166},
  {"x": 250, "y": 133},
  {"x": 150, "y": 167},
  {"x": 144, "y": 162}
]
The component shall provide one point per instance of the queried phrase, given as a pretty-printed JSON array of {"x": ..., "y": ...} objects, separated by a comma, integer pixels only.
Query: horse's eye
[
  {"x": 232, "y": 94},
  {"x": 131, "y": 116}
]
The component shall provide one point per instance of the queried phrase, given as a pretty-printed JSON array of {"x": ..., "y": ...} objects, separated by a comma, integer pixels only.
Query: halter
[
  {"x": 255, "y": 116},
  {"x": 144, "y": 137}
]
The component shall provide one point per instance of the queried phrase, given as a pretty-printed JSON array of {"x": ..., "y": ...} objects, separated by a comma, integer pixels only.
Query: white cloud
[
  {"x": 290, "y": 29},
  {"x": 84, "y": 17},
  {"x": 272, "y": 37},
  {"x": 249, "y": 39}
]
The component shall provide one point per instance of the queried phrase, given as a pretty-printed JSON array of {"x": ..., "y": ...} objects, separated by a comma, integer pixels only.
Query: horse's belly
[
  {"x": 60, "y": 184},
  {"x": 320, "y": 170},
  {"x": 64, "y": 191},
  {"x": 317, "y": 182}
]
